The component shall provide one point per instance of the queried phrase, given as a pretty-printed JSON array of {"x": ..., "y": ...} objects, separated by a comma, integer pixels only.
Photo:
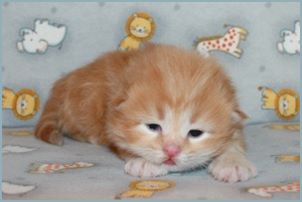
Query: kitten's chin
[
  {"x": 179, "y": 166},
  {"x": 173, "y": 168},
  {"x": 169, "y": 162}
]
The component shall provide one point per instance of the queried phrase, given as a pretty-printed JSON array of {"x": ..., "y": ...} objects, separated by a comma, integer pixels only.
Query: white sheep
[
  {"x": 291, "y": 40},
  {"x": 43, "y": 35}
]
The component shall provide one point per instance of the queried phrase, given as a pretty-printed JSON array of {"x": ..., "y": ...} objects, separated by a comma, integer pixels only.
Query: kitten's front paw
[
  {"x": 141, "y": 168},
  {"x": 232, "y": 168}
]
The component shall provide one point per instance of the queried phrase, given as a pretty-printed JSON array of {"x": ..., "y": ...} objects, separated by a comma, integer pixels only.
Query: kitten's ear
[
  {"x": 117, "y": 102},
  {"x": 238, "y": 116}
]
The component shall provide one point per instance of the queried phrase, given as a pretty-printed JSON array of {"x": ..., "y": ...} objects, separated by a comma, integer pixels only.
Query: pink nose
[{"x": 172, "y": 150}]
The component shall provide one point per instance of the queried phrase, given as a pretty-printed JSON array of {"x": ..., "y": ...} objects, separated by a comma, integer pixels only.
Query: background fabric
[
  {"x": 107, "y": 179},
  {"x": 95, "y": 28}
]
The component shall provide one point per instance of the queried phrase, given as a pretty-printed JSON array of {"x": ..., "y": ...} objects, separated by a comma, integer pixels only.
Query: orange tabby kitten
[{"x": 160, "y": 108}]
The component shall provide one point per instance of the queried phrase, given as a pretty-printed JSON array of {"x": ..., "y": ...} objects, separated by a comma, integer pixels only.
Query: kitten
[{"x": 159, "y": 108}]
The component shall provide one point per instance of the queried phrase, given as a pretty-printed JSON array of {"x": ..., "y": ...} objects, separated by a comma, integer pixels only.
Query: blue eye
[
  {"x": 195, "y": 133},
  {"x": 153, "y": 127}
]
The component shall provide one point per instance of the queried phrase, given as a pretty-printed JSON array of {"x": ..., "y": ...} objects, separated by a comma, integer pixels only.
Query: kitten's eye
[
  {"x": 195, "y": 133},
  {"x": 153, "y": 127}
]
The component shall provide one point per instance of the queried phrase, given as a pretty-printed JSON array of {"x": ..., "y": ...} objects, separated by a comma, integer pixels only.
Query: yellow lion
[
  {"x": 286, "y": 102},
  {"x": 139, "y": 27},
  {"x": 24, "y": 104}
]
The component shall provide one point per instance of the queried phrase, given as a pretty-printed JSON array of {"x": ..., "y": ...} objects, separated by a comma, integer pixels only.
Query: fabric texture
[
  {"x": 180, "y": 24},
  {"x": 107, "y": 179}
]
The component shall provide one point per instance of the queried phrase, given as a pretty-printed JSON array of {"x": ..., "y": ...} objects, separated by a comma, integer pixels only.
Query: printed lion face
[
  {"x": 140, "y": 26},
  {"x": 287, "y": 104},
  {"x": 26, "y": 104}
]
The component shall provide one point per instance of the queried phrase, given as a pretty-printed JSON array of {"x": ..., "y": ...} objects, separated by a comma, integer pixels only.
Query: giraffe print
[
  {"x": 228, "y": 43},
  {"x": 55, "y": 167},
  {"x": 266, "y": 191}
]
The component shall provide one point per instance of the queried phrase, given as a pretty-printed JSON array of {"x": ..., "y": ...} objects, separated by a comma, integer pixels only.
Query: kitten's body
[{"x": 150, "y": 106}]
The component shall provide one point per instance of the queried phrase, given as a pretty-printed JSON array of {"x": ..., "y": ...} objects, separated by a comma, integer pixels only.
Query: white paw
[
  {"x": 141, "y": 168},
  {"x": 232, "y": 169}
]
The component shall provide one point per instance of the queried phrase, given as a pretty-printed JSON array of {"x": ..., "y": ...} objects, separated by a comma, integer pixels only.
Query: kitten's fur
[{"x": 111, "y": 100}]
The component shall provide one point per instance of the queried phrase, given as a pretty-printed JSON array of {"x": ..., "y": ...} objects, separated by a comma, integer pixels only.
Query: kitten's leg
[
  {"x": 140, "y": 167},
  {"x": 232, "y": 165},
  {"x": 48, "y": 128}
]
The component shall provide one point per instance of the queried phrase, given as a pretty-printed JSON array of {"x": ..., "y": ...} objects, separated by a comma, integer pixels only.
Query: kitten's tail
[{"x": 48, "y": 127}]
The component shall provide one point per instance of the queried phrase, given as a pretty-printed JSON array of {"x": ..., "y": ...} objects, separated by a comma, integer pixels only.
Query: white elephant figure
[
  {"x": 291, "y": 40},
  {"x": 41, "y": 37}
]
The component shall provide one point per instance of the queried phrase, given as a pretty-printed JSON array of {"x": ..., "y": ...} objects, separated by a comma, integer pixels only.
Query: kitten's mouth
[{"x": 169, "y": 162}]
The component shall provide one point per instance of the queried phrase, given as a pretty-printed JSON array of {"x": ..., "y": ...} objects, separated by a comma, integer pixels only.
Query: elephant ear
[
  {"x": 45, "y": 43},
  {"x": 297, "y": 27},
  {"x": 25, "y": 31}
]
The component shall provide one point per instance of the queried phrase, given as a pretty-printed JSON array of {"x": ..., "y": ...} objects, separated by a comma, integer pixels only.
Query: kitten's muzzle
[{"x": 171, "y": 150}]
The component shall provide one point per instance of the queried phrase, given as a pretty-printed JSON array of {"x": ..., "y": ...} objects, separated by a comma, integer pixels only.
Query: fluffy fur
[{"x": 111, "y": 100}]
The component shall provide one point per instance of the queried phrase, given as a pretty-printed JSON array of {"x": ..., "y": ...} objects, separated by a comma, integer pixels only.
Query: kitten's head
[{"x": 177, "y": 108}]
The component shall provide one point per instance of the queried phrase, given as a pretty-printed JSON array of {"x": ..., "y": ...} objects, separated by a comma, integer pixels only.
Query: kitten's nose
[{"x": 171, "y": 150}]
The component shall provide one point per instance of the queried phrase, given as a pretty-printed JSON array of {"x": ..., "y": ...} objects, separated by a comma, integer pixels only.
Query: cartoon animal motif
[
  {"x": 16, "y": 149},
  {"x": 291, "y": 40},
  {"x": 24, "y": 104},
  {"x": 266, "y": 191},
  {"x": 139, "y": 27},
  {"x": 145, "y": 188},
  {"x": 17, "y": 132},
  {"x": 286, "y": 102},
  {"x": 10, "y": 188},
  {"x": 57, "y": 167},
  {"x": 228, "y": 43},
  {"x": 287, "y": 158},
  {"x": 290, "y": 127},
  {"x": 41, "y": 37}
]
